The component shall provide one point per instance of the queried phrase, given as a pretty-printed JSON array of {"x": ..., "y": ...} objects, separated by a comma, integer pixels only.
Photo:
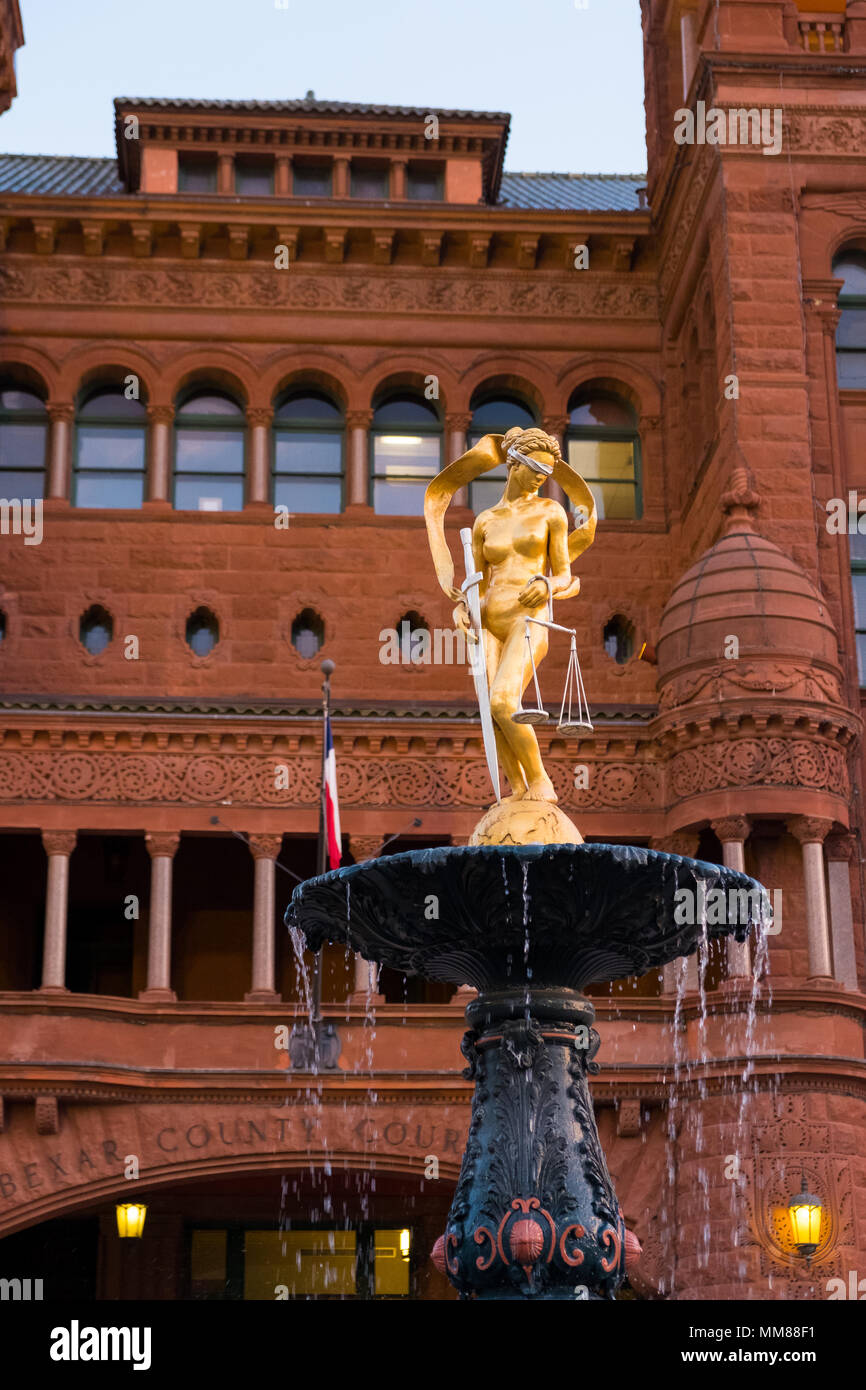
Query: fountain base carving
[{"x": 525, "y": 823}]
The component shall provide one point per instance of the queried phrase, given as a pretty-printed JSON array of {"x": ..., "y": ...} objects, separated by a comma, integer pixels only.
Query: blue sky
[{"x": 569, "y": 71}]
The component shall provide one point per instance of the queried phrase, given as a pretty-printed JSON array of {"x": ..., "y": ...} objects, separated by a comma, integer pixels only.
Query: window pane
[
  {"x": 21, "y": 400},
  {"x": 851, "y": 332},
  {"x": 103, "y": 446},
  {"x": 196, "y": 174},
  {"x": 209, "y": 404},
  {"x": 113, "y": 404},
  {"x": 852, "y": 269},
  {"x": 109, "y": 490},
  {"x": 611, "y": 460},
  {"x": 858, "y": 582},
  {"x": 22, "y": 446},
  {"x": 309, "y": 495},
  {"x": 307, "y": 451},
  {"x": 497, "y": 416},
  {"x": 861, "y": 656},
  {"x": 390, "y": 1267},
  {"x": 851, "y": 370},
  {"x": 309, "y": 1263},
  {"x": 614, "y": 501},
  {"x": 21, "y": 486},
  {"x": 308, "y": 408},
  {"x": 601, "y": 410},
  {"x": 369, "y": 183},
  {"x": 399, "y": 499},
  {"x": 208, "y": 1264},
  {"x": 404, "y": 410},
  {"x": 209, "y": 451},
  {"x": 399, "y": 455},
  {"x": 208, "y": 494},
  {"x": 254, "y": 178},
  {"x": 485, "y": 494},
  {"x": 311, "y": 181},
  {"x": 424, "y": 185}
]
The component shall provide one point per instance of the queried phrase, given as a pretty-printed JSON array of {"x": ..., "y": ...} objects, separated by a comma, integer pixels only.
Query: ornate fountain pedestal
[{"x": 534, "y": 1215}]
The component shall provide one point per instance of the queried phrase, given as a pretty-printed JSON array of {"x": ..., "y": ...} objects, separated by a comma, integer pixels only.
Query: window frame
[
  {"x": 486, "y": 399},
  {"x": 212, "y": 422},
  {"x": 849, "y": 301},
  {"x": 601, "y": 434},
  {"x": 373, "y": 477},
  {"x": 27, "y": 417},
  {"x": 110, "y": 421},
  {"x": 279, "y": 427}
]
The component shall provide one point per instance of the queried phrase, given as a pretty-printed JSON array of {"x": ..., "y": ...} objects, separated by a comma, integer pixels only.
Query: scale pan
[
  {"x": 573, "y": 726},
  {"x": 530, "y": 716}
]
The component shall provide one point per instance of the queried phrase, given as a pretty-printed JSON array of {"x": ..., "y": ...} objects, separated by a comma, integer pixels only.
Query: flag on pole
[{"x": 332, "y": 805}]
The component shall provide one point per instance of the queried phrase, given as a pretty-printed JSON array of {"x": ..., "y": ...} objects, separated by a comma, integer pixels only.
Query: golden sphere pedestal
[{"x": 525, "y": 823}]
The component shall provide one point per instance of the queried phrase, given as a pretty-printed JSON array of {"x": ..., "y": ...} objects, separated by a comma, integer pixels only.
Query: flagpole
[{"x": 322, "y": 858}]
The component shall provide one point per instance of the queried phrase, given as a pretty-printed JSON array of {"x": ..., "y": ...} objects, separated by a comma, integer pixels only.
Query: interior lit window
[
  {"x": 267, "y": 1265},
  {"x": 308, "y": 454},
  {"x": 851, "y": 332},
  {"x": 209, "y": 454},
  {"x": 23, "y": 443},
  {"x": 604, "y": 448},
  {"x": 494, "y": 415},
  {"x": 110, "y": 439},
  {"x": 406, "y": 447}
]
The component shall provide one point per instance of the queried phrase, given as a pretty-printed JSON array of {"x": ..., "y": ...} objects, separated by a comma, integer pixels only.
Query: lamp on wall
[
  {"x": 405, "y": 1244},
  {"x": 805, "y": 1211},
  {"x": 130, "y": 1218}
]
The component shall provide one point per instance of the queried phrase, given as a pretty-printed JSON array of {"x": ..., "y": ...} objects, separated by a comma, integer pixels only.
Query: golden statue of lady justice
[{"x": 518, "y": 561}]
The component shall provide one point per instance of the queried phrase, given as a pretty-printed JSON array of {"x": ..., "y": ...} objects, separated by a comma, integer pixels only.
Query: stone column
[
  {"x": 365, "y": 988},
  {"x": 283, "y": 176},
  {"x": 59, "y": 845},
  {"x": 259, "y": 420},
  {"x": 225, "y": 173},
  {"x": 733, "y": 831},
  {"x": 684, "y": 843},
  {"x": 61, "y": 415},
  {"x": 341, "y": 176},
  {"x": 811, "y": 831},
  {"x": 160, "y": 421},
  {"x": 162, "y": 847},
  {"x": 265, "y": 850},
  {"x": 456, "y": 424},
  {"x": 357, "y": 458},
  {"x": 841, "y": 849},
  {"x": 556, "y": 425},
  {"x": 398, "y": 179}
]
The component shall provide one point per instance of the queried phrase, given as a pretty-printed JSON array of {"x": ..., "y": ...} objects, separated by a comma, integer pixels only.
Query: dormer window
[
  {"x": 254, "y": 178},
  {"x": 311, "y": 180},
  {"x": 369, "y": 180},
  {"x": 425, "y": 182},
  {"x": 196, "y": 173}
]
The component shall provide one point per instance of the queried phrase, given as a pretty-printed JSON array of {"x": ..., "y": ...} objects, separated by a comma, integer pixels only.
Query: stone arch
[
  {"x": 92, "y": 365},
  {"x": 408, "y": 373},
  {"x": 320, "y": 371},
  {"x": 30, "y": 368},
  {"x": 637, "y": 386},
  {"x": 223, "y": 369},
  {"x": 513, "y": 373}
]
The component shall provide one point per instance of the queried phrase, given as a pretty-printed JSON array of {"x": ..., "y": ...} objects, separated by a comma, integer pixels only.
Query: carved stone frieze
[
  {"x": 750, "y": 762},
  {"x": 730, "y": 679}
]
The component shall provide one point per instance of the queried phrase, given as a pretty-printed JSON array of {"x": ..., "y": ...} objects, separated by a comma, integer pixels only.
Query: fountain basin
[{"x": 493, "y": 916}]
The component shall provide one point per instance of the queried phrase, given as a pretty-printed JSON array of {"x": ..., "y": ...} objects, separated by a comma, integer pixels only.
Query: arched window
[
  {"x": 619, "y": 639},
  {"x": 406, "y": 447},
  {"x": 850, "y": 266},
  {"x": 494, "y": 415},
  {"x": 23, "y": 442},
  {"x": 604, "y": 447},
  {"x": 209, "y": 454},
  {"x": 95, "y": 629},
  {"x": 308, "y": 454},
  {"x": 110, "y": 434},
  {"x": 202, "y": 631},
  {"x": 308, "y": 633}
]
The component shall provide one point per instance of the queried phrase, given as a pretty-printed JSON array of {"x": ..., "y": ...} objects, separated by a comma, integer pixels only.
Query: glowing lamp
[
  {"x": 130, "y": 1219},
  {"x": 805, "y": 1212},
  {"x": 405, "y": 1243}
]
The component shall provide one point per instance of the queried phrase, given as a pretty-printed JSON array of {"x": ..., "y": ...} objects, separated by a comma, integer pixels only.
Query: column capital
[
  {"x": 555, "y": 425},
  {"x": 265, "y": 846},
  {"x": 160, "y": 414},
  {"x": 841, "y": 845},
  {"x": 59, "y": 841},
  {"x": 809, "y": 829},
  {"x": 732, "y": 828},
  {"x": 60, "y": 411},
  {"x": 259, "y": 415},
  {"x": 458, "y": 419},
  {"x": 162, "y": 843},
  {"x": 359, "y": 419},
  {"x": 363, "y": 847}
]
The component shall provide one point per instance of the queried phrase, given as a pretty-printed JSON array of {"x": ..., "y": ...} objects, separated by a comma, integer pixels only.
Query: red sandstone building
[{"x": 231, "y": 359}]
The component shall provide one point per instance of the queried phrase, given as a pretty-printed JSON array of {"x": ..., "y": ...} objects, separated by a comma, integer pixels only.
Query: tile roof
[
  {"x": 75, "y": 176},
  {"x": 67, "y": 175},
  {"x": 309, "y": 104},
  {"x": 572, "y": 192}
]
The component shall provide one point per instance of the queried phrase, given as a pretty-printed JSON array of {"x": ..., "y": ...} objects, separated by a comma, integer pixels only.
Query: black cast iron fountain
[{"x": 534, "y": 1214}]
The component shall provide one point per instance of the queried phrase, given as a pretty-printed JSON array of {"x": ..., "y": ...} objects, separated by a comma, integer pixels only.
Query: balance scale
[{"x": 574, "y": 710}]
